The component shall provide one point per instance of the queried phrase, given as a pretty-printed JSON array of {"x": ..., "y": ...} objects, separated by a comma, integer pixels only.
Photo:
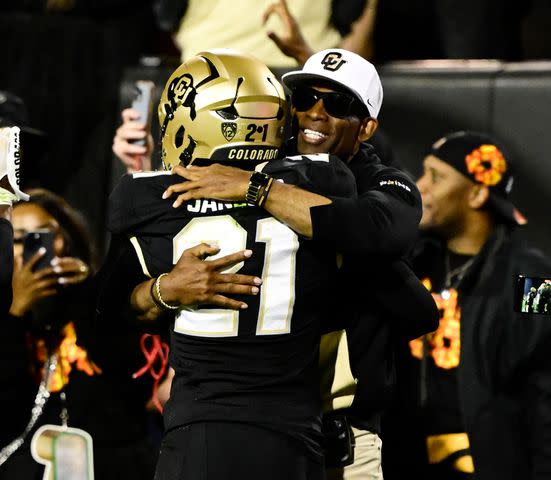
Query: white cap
[{"x": 345, "y": 69}]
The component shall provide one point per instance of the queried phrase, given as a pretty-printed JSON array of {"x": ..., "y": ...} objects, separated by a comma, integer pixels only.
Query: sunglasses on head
[{"x": 336, "y": 104}]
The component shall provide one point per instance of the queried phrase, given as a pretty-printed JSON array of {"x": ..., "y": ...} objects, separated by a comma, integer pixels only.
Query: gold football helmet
[{"x": 221, "y": 105}]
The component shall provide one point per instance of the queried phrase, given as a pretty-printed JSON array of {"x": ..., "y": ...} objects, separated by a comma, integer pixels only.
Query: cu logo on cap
[{"x": 333, "y": 61}]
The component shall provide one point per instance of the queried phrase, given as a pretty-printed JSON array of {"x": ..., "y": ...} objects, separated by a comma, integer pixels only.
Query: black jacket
[
  {"x": 504, "y": 374},
  {"x": 383, "y": 219},
  {"x": 380, "y": 299}
]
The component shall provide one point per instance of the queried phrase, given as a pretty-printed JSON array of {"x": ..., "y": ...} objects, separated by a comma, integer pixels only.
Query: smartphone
[
  {"x": 143, "y": 103},
  {"x": 533, "y": 295},
  {"x": 33, "y": 241}
]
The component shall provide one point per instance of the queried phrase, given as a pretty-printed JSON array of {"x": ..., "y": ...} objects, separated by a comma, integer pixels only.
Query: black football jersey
[{"x": 257, "y": 365}]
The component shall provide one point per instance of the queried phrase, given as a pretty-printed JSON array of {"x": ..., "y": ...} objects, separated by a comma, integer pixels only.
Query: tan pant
[{"x": 367, "y": 459}]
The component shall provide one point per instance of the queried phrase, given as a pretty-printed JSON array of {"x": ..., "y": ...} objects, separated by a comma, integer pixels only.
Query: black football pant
[{"x": 233, "y": 451}]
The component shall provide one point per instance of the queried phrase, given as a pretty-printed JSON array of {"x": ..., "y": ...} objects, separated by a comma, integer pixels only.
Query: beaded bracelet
[
  {"x": 155, "y": 292},
  {"x": 152, "y": 295}
]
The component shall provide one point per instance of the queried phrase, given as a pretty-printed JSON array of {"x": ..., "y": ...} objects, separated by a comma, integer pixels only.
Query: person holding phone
[
  {"x": 133, "y": 143},
  {"x": 50, "y": 323},
  {"x": 475, "y": 396},
  {"x": 41, "y": 301},
  {"x": 34, "y": 279},
  {"x": 135, "y": 156}
]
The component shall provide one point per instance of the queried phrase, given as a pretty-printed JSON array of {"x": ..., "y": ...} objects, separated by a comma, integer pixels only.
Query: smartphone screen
[
  {"x": 533, "y": 295},
  {"x": 143, "y": 103},
  {"x": 33, "y": 241}
]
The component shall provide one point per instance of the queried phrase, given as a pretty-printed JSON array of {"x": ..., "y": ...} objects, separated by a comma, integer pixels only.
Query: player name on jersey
[{"x": 206, "y": 206}]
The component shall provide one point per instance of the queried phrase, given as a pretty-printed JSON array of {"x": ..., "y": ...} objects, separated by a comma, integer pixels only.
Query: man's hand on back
[
  {"x": 196, "y": 281},
  {"x": 287, "y": 203},
  {"x": 215, "y": 181}
]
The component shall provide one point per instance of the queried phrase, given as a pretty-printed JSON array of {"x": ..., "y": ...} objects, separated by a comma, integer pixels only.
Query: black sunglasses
[{"x": 339, "y": 105}]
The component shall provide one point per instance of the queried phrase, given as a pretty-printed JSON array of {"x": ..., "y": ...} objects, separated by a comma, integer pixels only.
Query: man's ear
[
  {"x": 478, "y": 196},
  {"x": 369, "y": 125}
]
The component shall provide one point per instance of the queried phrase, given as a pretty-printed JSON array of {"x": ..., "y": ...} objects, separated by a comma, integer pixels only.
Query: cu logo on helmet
[
  {"x": 333, "y": 61},
  {"x": 183, "y": 88}
]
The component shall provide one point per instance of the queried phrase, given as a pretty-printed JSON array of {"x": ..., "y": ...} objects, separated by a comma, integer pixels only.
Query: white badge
[{"x": 66, "y": 452}]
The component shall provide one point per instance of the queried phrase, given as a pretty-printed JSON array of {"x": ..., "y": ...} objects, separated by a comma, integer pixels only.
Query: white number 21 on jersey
[{"x": 277, "y": 294}]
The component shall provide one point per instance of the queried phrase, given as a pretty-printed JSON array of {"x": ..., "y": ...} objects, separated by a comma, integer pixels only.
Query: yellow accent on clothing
[
  {"x": 445, "y": 342},
  {"x": 440, "y": 447},
  {"x": 139, "y": 253}
]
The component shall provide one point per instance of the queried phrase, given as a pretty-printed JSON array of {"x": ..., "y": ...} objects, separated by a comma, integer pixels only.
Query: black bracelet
[
  {"x": 264, "y": 193},
  {"x": 257, "y": 186}
]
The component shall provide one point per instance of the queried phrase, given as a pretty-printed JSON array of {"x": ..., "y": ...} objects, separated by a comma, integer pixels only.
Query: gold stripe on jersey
[
  {"x": 337, "y": 384},
  {"x": 139, "y": 253}
]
